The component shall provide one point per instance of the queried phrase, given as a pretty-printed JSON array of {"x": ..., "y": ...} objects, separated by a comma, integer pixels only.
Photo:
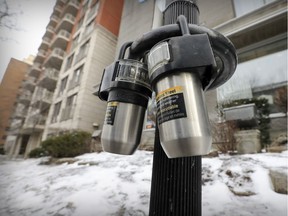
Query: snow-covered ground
[{"x": 113, "y": 185}]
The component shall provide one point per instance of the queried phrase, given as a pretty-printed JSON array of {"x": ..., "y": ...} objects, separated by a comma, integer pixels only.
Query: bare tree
[
  {"x": 8, "y": 16},
  {"x": 223, "y": 136}
]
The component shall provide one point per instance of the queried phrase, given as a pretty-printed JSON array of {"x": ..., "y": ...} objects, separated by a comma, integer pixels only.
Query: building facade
[
  {"x": 256, "y": 28},
  {"x": 83, "y": 37},
  {"x": 79, "y": 42},
  {"x": 10, "y": 93}
]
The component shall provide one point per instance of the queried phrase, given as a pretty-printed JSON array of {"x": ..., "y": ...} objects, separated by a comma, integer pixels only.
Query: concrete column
[
  {"x": 34, "y": 142},
  {"x": 16, "y": 148}
]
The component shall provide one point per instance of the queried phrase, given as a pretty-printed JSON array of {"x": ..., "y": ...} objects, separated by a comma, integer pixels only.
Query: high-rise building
[
  {"x": 83, "y": 37},
  {"x": 80, "y": 40},
  {"x": 10, "y": 93}
]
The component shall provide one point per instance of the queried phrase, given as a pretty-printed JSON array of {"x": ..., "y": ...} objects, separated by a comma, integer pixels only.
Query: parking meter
[
  {"x": 177, "y": 69},
  {"x": 125, "y": 86}
]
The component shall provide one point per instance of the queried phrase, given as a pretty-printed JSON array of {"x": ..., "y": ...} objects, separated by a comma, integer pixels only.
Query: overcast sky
[{"x": 30, "y": 19}]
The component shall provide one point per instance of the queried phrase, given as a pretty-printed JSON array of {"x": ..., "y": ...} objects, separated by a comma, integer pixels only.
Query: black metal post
[{"x": 176, "y": 183}]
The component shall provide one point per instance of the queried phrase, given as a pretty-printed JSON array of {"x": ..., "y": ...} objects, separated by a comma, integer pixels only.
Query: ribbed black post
[{"x": 176, "y": 183}]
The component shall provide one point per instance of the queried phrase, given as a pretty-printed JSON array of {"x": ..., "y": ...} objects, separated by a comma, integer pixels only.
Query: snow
[{"x": 103, "y": 184}]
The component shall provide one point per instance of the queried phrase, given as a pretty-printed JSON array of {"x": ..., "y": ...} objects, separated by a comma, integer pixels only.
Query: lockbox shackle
[{"x": 223, "y": 49}]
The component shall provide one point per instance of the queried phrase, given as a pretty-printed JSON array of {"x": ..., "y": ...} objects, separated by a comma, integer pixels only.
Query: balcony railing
[
  {"x": 49, "y": 79},
  {"x": 45, "y": 43},
  {"x": 53, "y": 20},
  {"x": 61, "y": 3},
  {"x": 43, "y": 99},
  {"x": 72, "y": 7},
  {"x": 61, "y": 39},
  {"x": 29, "y": 83},
  {"x": 66, "y": 23},
  {"x": 58, "y": 10},
  {"x": 34, "y": 123},
  {"x": 245, "y": 115},
  {"x": 40, "y": 56},
  {"x": 55, "y": 58},
  {"x": 25, "y": 98},
  {"x": 35, "y": 70},
  {"x": 15, "y": 127},
  {"x": 20, "y": 113}
]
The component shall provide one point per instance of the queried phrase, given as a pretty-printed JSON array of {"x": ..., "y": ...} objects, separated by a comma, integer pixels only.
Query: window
[
  {"x": 244, "y": 7},
  {"x": 89, "y": 28},
  {"x": 75, "y": 41},
  {"x": 68, "y": 111},
  {"x": 71, "y": 100},
  {"x": 76, "y": 77},
  {"x": 83, "y": 51},
  {"x": 56, "y": 112},
  {"x": 80, "y": 23},
  {"x": 85, "y": 7},
  {"x": 258, "y": 73},
  {"x": 94, "y": 9},
  {"x": 69, "y": 62},
  {"x": 63, "y": 85}
]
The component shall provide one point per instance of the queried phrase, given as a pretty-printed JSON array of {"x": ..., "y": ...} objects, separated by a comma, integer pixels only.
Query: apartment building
[
  {"x": 79, "y": 42},
  {"x": 11, "y": 91}
]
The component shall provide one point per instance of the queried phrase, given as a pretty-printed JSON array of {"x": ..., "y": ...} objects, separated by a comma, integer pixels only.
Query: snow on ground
[{"x": 114, "y": 185}]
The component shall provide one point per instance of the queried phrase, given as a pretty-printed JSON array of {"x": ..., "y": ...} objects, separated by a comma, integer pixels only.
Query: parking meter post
[{"x": 176, "y": 183}]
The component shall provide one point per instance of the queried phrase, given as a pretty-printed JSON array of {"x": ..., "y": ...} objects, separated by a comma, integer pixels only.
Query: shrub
[
  {"x": 38, "y": 152},
  {"x": 68, "y": 145}
]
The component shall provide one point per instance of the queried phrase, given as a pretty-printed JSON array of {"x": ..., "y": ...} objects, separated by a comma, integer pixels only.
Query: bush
[
  {"x": 38, "y": 152},
  {"x": 68, "y": 145}
]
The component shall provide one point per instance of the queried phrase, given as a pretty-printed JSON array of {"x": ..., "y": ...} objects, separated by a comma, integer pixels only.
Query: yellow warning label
[
  {"x": 169, "y": 92},
  {"x": 111, "y": 112},
  {"x": 113, "y": 103}
]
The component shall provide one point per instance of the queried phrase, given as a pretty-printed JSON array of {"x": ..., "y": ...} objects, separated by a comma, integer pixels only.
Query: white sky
[{"x": 31, "y": 19}]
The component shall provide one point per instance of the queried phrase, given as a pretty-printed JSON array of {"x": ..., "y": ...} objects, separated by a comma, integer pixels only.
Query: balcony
[
  {"x": 66, "y": 23},
  {"x": 25, "y": 98},
  {"x": 44, "y": 100},
  {"x": 40, "y": 56},
  {"x": 60, "y": 2},
  {"x": 29, "y": 84},
  {"x": 53, "y": 21},
  {"x": 20, "y": 113},
  {"x": 244, "y": 115},
  {"x": 35, "y": 123},
  {"x": 45, "y": 43},
  {"x": 57, "y": 10},
  {"x": 258, "y": 33},
  {"x": 49, "y": 79},
  {"x": 55, "y": 59},
  {"x": 15, "y": 127},
  {"x": 49, "y": 32},
  {"x": 61, "y": 40},
  {"x": 35, "y": 70},
  {"x": 72, "y": 7}
]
